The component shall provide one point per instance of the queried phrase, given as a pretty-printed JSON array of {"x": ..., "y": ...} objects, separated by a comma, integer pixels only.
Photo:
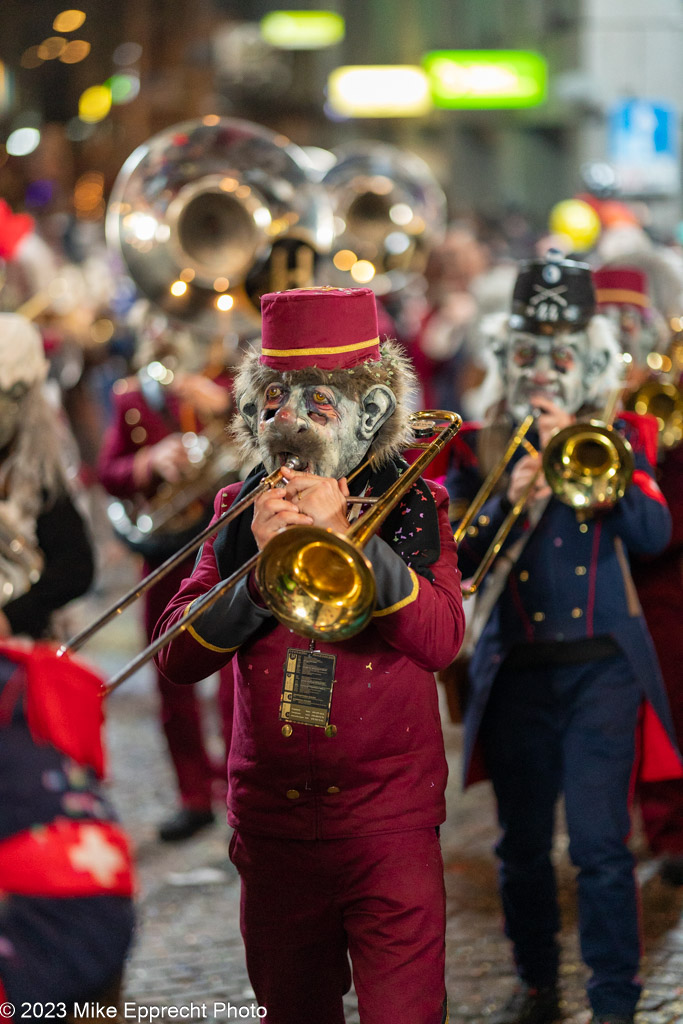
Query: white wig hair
[
  {"x": 33, "y": 472},
  {"x": 603, "y": 360}
]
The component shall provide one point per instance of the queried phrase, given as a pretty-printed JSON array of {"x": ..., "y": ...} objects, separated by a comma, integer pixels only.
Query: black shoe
[
  {"x": 184, "y": 824},
  {"x": 611, "y": 1018},
  {"x": 671, "y": 870},
  {"x": 529, "y": 1005}
]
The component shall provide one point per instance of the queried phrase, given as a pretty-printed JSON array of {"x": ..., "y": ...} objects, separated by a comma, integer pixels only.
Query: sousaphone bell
[{"x": 209, "y": 214}]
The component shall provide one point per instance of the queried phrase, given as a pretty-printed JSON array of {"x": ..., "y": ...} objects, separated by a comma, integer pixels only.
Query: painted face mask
[
  {"x": 636, "y": 336},
  {"x": 316, "y": 422},
  {"x": 549, "y": 365}
]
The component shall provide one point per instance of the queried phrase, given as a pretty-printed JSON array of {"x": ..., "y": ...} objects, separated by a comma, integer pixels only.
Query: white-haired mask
[
  {"x": 22, "y": 365},
  {"x": 553, "y": 345}
]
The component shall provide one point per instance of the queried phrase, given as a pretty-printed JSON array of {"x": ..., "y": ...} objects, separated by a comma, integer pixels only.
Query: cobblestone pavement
[{"x": 188, "y": 951}]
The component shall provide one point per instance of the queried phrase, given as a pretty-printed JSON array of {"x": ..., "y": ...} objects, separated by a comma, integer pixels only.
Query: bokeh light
[
  {"x": 51, "y": 48},
  {"x": 123, "y": 87},
  {"x": 68, "y": 21},
  {"x": 577, "y": 221},
  {"x": 362, "y": 271},
  {"x": 302, "y": 30},
  {"x": 30, "y": 58},
  {"x": 88, "y": 195},
  {"x": 127, "y": 53},
  {"x": 76, "y": 50},
  {"x": 344, "y": 259},
  {"x": 94, "y": 104},
  {"x": 23, "y": 141},
  {"x": 379, "y": 91}
]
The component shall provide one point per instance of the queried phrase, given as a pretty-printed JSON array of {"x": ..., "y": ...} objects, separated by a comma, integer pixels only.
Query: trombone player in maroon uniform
[
  {"x": 143, "y": 451},
  {"x": 337, "y": 767}
]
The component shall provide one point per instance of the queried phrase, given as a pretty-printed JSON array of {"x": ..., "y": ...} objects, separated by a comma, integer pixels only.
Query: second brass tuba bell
[{"x": 389, "y": 208}]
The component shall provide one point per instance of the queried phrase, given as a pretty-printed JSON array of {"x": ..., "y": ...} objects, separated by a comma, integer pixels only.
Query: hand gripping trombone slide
[{"x": 316, "y": 582}]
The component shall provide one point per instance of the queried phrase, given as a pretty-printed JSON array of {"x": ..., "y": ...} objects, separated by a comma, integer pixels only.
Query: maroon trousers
[
  {"x": 180, "y": 710},
  {"x": 307, "y": 905}
]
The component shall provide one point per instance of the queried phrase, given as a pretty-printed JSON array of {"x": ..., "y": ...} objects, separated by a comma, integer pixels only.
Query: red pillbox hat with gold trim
[{"x": 331, "y": 328}]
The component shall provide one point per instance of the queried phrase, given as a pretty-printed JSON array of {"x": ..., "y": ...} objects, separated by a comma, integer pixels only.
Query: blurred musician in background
[
  {"x": 46, "y": 558},
  {"x": 335, "y": 795},
  {"x": 160, "y": 418},
  {"x": 563, "y": 658},
  {"x": 622, "y": 293}
]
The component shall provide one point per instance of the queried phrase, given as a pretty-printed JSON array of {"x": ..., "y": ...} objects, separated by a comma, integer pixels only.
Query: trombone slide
[
  {"x": 199, "y": 606},
  {"x": 487, "y": 488},
  {"x": 273, "y": 480},
  {"x": 501, "y": 536}
]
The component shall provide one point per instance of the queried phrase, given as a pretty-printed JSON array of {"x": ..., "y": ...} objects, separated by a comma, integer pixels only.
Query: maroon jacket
[
  {"x": 384, "y": 769},
  {"x": 135, "y": 425},
  {"x": 145, "y": 413}
]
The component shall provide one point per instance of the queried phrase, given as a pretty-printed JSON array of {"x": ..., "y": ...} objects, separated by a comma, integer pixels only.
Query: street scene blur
[{"x": 341, "y": 511}]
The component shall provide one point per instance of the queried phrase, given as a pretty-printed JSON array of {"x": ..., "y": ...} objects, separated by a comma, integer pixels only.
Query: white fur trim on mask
[
  {"x": 22, "y": 356},
  {"x": 604, "y": 364}
]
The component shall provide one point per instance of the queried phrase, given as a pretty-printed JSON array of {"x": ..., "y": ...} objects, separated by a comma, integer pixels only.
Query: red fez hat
[
  {"x": 332, "y": 328},
  {"x": 621, "y": 286}
]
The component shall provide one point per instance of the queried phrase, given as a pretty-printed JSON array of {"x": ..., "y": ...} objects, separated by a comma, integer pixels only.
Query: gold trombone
[
  {"x": 319, "y": 583},
  {"x": 316, "y": 582},
  {"x": 587, "y": 465},
  {"x": 466, "y": 525}
]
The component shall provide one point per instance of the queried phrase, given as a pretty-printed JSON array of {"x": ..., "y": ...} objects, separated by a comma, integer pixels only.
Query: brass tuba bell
[
  {"x": 209, "y": 214},
  {"x": 389, "y": 208}
]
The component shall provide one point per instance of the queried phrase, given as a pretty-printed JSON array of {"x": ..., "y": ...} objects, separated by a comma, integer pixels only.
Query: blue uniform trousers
[{"x": 568, "y": 729}]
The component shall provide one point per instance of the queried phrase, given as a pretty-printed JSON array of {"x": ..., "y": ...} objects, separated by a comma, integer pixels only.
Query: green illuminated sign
[
  {"x": 486, "y": 79},
  {"x": 302, "y": 30}
]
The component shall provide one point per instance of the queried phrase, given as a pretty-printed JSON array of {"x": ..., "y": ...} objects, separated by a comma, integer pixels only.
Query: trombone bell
[
  {"x": 588, "y": 465},
  {"x": 317, "y": 583},
  {"x": 664, "y": 401}
]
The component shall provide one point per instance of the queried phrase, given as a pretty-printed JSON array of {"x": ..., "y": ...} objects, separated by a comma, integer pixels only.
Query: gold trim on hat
[
  {"x": 332, "y": 350},
  {"x": 621, "y": 295}
]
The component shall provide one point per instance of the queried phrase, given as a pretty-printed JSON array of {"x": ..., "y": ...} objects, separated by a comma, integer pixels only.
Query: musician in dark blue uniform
[{"x": 563, "y": 660}]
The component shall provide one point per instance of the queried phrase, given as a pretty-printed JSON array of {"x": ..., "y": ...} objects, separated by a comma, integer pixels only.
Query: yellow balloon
[{"x": 578, "y": 221}]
